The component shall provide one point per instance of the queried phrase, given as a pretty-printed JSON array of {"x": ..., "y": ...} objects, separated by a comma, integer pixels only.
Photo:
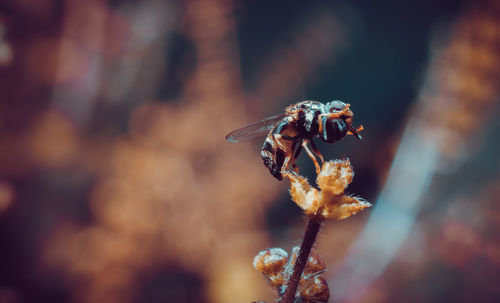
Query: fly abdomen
[{"x": 273, "y": 157}]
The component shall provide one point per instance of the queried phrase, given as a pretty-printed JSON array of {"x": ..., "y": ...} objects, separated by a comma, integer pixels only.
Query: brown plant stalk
[{"x": 310, "y": 235}]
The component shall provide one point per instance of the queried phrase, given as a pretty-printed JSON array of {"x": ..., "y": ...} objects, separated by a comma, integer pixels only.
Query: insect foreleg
[
  {"x": 332, "y": 115},
  {"x": 356, "y": 131}
]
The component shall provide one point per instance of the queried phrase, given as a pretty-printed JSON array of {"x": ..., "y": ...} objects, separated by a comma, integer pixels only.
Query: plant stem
[{"x": 309, "y": 238}]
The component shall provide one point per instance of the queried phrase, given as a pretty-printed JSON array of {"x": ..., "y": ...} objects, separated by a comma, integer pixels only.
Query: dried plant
[
  {"x": 330, "y": 201},
  {"x": 114, "y": 173},
  {"x": 274, "y": 264},
  {"x": 298, "y": 278}
]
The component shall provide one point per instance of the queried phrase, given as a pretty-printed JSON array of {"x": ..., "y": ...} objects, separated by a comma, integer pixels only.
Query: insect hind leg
[
  {"x": 316, "y": 151},
  {"x": 284, "y": 169},
  {"x": 311, "y": 155},
  {"x": 276, "y": 154},
  {"x": 296, "y": 155}
]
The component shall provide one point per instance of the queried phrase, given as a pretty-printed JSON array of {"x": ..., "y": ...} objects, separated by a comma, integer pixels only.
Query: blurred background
[{"x": 116, "y": 184}]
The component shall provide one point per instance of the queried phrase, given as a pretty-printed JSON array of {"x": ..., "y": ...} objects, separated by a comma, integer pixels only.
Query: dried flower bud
[
  {"x": 344, "y": 207},
  {"x": 314, "y": 289},
  {"x": 333, "y": 179},
  {"x": 271, "y": 263},
  {"x": 303, "y": 194},
  {"x": 275, "y": 265},
  {"x": 335, "y": 176}
]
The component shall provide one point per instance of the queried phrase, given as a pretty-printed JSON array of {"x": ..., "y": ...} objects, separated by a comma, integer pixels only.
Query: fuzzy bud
[{"x": 332, "y": 181}]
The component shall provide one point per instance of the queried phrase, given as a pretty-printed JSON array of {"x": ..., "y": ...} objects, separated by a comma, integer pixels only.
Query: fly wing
[{"x": 254, "y": 130}]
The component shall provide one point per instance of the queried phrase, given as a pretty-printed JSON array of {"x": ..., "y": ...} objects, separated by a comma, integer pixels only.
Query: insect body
[{"x": 289, "y": 133}]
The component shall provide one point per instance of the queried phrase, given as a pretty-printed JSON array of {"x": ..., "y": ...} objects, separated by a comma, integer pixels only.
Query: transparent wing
[{"x": 254, "y": 130}]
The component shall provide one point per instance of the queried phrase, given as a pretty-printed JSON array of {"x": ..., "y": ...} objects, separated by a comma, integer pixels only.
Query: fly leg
[
  {"x": 311, "y": 155},
  {"x": 284, "y": 171},
  {"x": 290, "y": 160},
  {"x": 317, "y": 152},
  {"x": 356, "y": 131},
  {"x": 295, "y": 156},
  {"x": 291, "y": 156}
]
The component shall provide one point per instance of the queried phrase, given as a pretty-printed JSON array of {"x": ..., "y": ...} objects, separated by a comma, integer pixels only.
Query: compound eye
[{"x": 333, "y": 129}]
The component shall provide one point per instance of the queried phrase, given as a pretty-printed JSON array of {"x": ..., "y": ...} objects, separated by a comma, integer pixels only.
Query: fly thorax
[{"x": 310, "y": 122}]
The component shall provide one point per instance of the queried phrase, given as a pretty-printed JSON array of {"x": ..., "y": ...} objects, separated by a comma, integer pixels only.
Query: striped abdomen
[{"x": 273, "y": 156}]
